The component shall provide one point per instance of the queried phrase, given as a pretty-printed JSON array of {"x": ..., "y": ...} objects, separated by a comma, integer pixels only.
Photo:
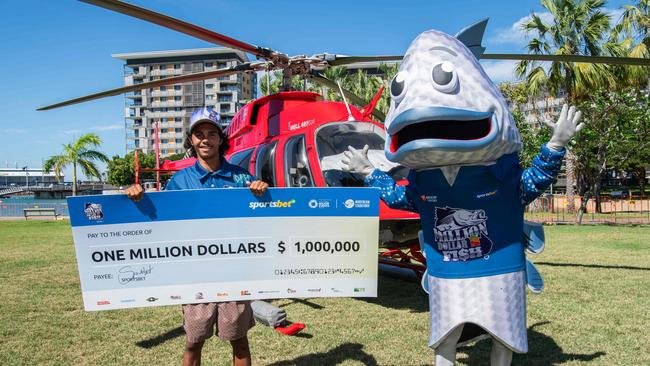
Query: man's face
[{"x": 206, "y": 141}]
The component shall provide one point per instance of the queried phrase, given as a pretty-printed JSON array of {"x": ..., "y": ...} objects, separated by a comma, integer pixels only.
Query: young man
[{"x": 207, "y": 142}]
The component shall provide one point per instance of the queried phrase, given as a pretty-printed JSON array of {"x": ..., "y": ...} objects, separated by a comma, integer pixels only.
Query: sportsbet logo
[{"x": 271, "y": 204}]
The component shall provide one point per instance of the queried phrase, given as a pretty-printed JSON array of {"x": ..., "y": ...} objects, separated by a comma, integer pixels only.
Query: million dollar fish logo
[{"x": 461, "y": 235}]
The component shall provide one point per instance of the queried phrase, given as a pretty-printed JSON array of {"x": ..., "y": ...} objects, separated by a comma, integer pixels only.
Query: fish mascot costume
[{"x": 449, "y": 124}]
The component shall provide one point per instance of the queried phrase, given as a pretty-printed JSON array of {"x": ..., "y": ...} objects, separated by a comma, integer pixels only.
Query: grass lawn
[{"x": 595, "y": 310}]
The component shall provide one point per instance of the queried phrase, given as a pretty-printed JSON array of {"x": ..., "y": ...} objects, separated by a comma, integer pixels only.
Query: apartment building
[{"x": 170, "y": 107}]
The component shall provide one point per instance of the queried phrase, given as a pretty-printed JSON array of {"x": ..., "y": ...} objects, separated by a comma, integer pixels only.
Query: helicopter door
[
  {"x": 242, "y": 158},
  {"x": 264, "y": 163},
  {"x": 297, "y": 172}
]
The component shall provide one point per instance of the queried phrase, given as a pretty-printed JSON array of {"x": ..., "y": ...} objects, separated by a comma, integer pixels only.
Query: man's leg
[
  {"x": 446, "y": 351},
  {"x": 500, "y": 355},
  {"x": 198, "y": 322},
  {"x": 192, "y": 354},
  {"x": 233, "y": 322},
  {"x": 241, "y": 353}
]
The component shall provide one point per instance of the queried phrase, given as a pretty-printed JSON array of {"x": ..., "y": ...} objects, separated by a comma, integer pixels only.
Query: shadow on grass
[
  {"x": 399, "y": 294},
  {"x": 162, "y": 338},
  {"x": 335, "y": 356},
  {"x": 306, "y": 303},
  {"x": 599, "y": 266},
  {"x": 542, "y": 350}
]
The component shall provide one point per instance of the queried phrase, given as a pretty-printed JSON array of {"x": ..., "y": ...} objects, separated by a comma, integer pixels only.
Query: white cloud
[
  {"x": 500, "y": 71},
  {"x": 514, "y": 34},
  {"x": 111, "y": 127},
  {"x": 71, "y": 132},
  {"x": 517, "y": 36},
  {"x": 101, "y": 128}
]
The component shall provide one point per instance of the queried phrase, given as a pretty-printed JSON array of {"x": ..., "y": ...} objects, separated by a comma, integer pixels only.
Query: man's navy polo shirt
[{"x": 197, "y": 177}]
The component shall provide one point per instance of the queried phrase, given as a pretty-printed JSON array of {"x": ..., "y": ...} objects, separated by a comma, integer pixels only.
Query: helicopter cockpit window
[
  {"x": 333, "y": 139},
  {"x": 265, "y": 163},
  {"x": 297, "y": 172},
  {"x": 242, "y": 158}
]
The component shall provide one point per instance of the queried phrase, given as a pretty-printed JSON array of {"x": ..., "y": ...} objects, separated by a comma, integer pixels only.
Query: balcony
[
  {"x": 171, "y": 124},
  {"x": 164, "y": 114},
  {"x": 167, "y": 93},
  {"x": 168, "y": 103},
  {"x": 168, "y": 72},
  {"x": 170, "y": 135}
]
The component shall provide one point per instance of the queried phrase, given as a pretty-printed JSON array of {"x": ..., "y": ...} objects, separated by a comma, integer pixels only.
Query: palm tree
[
  {"x": 576, "y": 27},
  {"x": 633, "y": 33},
  {"x": 335, "y": 73},
  {"x": 271, "y": 82},
  {"x": 78, "y": 153}
]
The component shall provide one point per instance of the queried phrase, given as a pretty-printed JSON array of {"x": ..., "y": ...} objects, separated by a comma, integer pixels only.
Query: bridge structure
[{"x": 53, "y": 191}]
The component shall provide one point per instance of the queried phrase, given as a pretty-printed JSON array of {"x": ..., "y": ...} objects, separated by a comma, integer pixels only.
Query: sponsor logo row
[{"x": 201, "y": 296}]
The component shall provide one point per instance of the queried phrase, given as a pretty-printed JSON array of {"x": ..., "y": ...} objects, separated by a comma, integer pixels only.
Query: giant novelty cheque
[{"x": 196, "y": 246}]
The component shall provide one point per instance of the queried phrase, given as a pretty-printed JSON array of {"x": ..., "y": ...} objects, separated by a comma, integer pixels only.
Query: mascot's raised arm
[{"x": 451, "y": 126}]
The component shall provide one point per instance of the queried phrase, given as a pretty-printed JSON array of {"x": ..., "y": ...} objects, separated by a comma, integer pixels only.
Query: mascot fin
[
  {"x": 533, "y": 237},
  {"x": 534, "y": 278},
  {"x": 472, "y": 36}
]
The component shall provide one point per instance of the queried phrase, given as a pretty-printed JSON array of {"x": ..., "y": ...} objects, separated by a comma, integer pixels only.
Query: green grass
[{"x": 595, "y": 310}]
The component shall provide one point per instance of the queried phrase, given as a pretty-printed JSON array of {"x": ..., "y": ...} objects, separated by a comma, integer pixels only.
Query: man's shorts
[{"x": 232, "y": 320}]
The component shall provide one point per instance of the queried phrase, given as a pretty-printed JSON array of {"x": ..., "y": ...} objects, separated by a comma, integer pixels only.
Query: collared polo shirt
[{"x": 197, "y": 177}]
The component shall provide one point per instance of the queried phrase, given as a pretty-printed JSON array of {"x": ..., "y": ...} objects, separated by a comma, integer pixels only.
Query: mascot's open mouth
[{"x": 442, "y": 129}]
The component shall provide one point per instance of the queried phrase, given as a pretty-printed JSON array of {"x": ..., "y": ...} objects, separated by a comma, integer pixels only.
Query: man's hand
[
  {"x": 357, "y": 161},
  {"x": 135, "y": 192},
  {"x": 257, "y": 187},
  {"x": 565, "y": 128}
]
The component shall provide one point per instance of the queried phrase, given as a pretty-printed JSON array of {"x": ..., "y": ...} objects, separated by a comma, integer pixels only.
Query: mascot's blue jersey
[{"x": 474, "y": 227}]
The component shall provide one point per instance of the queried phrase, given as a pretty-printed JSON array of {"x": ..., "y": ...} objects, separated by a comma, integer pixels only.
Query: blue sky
[{"x": 57, "y": 50}]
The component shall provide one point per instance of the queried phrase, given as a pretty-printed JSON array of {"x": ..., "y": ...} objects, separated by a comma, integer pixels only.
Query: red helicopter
[{"x": 295, "y": 139}]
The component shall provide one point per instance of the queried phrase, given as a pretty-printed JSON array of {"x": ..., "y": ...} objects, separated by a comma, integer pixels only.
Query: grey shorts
[{"x": 232, "y": 320}]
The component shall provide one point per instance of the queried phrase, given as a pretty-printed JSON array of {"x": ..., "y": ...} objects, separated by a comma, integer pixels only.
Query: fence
[
  {"x": 16, "y": 209},
  {"x": 554, "y": 209},
  {"x": 545, "y": 209}
]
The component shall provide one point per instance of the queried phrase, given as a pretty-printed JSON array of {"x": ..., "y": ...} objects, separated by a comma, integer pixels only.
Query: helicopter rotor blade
[
  {"x": 180, "y": 26},
  {"x": 570, "y": 58},
  {"x": 346, "y": 60},
  {"x": 151, "y": 84},
  {"x": 348, "y": 94}
]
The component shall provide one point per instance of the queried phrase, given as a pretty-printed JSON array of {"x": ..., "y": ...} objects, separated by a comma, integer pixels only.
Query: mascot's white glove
[
  {"x": 565, "y": 128},
  {"x": 356, "y": 161}
]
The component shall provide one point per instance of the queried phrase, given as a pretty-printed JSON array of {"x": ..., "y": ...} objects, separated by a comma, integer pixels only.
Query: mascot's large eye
[
  {"x": 444, "y": 77},
  {"x": 398, "y": 86}
]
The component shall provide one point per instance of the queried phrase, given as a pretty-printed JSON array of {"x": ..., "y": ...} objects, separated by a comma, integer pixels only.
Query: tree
[
  {"x": 617, "y": 138},
  {"x": 121, "y": 171},
  {"x": 360, "y": 83},
  {"x": 633, "y": 33},
  {"x": 80, "y": 154},
  {"x": 272, "y": 83},
  {"x": 632, "y": 151},
  {"x": 531, "y": 138},
  {"x": 577, "y": 27}
]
